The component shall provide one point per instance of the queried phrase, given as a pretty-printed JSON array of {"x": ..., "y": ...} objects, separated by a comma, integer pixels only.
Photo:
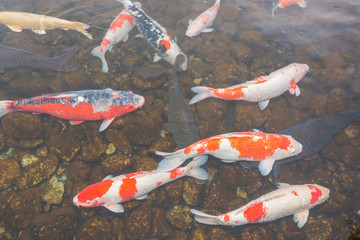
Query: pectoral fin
[
  {"x": 142, "y": 197},
  {"x": 265, "y": 166},
  {"x": 74, "y": 122},
  {"x": 294, "y": 90},
  {"x": 301, "y": 218},
  {"x": 15, "y": 28},
  {"x": 39, "y": 31},
  {"x": 115, "y": 207},
  {"x": 105, "y": 124},
  {"x": 108, "y": 177},
  {"x": 227, "y": 161},
  {"x": 208, "y": 30},
  {"x": 263, "y": 104}
]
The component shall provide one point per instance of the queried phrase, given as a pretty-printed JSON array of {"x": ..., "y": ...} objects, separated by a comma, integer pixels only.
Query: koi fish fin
[
  {"x": 256, "y": 130},
  {"x": 75, "y": 122},
  {"x": 227, "y": 161},
  {"x": 97, "y": 53},
  {"x": 194, "y": 169},
  {"x": 126, "y": 37},
  {"x": 171, "y": 160},
  {"x": 62, "y": 60},
  {"x": 81, "y": 27},
  {"x": 207, "y": 30},
  {"x": 249, "y": 165},
  {"x": 39, "y": 31},
  {"x": 15, "y": 28},
  {"x": 190, "y": 21},
  {"x": 105, "y": 124},
  {"x": 205, "y": 218},
  {"x": 274, "y": 9},
  {"x": 142, "y": 197},
  {"x": 301, "y": 218},
  {"x": 294, "y": 89},
  {"x": 265, "y": 166},
  {"x": 157, "y": 57},
  {"x": 202, "y": 93},
  {"x": 3, "y": 108},
  {"x": 301, "y": 3},
  {"x": 115, "y": 207},
  {"x": 263, "y": 104},
  {"x": 108, "y": 177},
  {"x": 282, "y": 185}
]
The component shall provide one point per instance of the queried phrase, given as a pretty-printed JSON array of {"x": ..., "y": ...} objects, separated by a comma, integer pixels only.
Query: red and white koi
[
  {"x": 112, "y": 191},
  {"x": 79, "y": 106},
  {"x": 285, "y": 201},
  {"x": 203, "y": 21},
  {"x": 287, "y": 3},
  {"x": 231, "y": 147},
  {"x": 156, "y": 35},
  {"x": 118, "y": 31},
  {"x": 261, "y": 89}
]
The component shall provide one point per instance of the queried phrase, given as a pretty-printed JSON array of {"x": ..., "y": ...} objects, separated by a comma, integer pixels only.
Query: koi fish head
[
  {"x": 319, "y": 194},
  {"x": 287, "y": 147},
  {"x": 295, "y": 146},
  {"x": 93, "y": 195},
  {"x": 198, "y": 25},
  {"x": 130, "y": 100},
  {"x": 298, "y": 71}
]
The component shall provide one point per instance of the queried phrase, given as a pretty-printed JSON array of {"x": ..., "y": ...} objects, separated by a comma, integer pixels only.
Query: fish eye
[{"x": 88, "y": 201}]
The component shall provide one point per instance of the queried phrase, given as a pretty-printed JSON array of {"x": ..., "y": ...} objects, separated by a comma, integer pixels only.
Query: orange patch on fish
[
  {"x": 315, "y": 194},
  {"x": 230, "y": 94},
  {"x": 226, "y": 218},
  {"x": 164, "y": 45},
  {"x": 295, "y": 193},
  {"x": 205, "y": 18},
  {"x": 128, "y": 189},
  {"x": 120, "y": 21},
  {"x": 94, "y": 191},
  {"x": 104, "y": 43},
  {"x": 208, "y": 144},
  {"x": 292, "y": 84},
  {"x": 175, "y": 173},
  {"x": 159, "y": 183},
  {"x": 255, "y": 212},
  {"x": 260, "y": 80}
]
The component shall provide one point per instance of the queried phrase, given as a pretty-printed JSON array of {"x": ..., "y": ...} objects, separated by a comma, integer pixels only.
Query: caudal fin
[
  {"x": 62, "y": 60},
  {"x": 3, "y": 108},
  {"x": 97, "y": 53},
  {"x": 171, "y": 160},
  {"x": 202, "y": 93},
  {"x": 205, "y": 218},
  {"x": 194, "y": 169}
]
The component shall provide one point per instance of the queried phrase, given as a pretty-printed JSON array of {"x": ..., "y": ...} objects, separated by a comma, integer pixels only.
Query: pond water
[{"x": 45, "y": 161}]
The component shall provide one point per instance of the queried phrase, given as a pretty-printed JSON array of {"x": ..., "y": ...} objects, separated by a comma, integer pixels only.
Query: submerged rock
[
  {"x": 65, "y": 145},
  {"x": 22, "y": 125},
  {"x": 179, "y": 218},
  {"x": 9, "y": 171},
  {"x": 77, "y": 171},
  {"x": 138, "y": 223},
  {"x": 119, "y": 140},
  {"x": 160, "y": 227},
  {"x": 52, "y": 191},
  {"x": 116, "y": 164},
  {"x": 94, "y": 228}
]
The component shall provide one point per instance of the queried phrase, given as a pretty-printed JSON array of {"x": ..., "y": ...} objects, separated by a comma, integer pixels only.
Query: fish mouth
[{"x": 140, "y": 101}]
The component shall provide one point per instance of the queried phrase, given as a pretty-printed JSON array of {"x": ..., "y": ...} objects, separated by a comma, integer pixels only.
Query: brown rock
[
  {"x": 9, "y": 171},
  {"x": 280, "y": 119},
  {"x": 229, "y": 11},
  {"x": 174, "y": 191},
  {"x": 23, "y": 207},
  {"x": 212, "y": 52},
  {"x": 350, "y": 156},
  {"x": 179, "y": 218},
  {"x": 24, "y": 143},
  {"x": 338, "y": 101},
  {"x": 77, "y": 171},
  {"x": 37, "y": 172},
  {"x": 30, "y": 85},
  {"x": 317, "y": 108},
  {"x": 77, "y": 80},
  {"x": 160, "y": 227},
  {"x": 59, "y": 224},
  {"x": 319, "y": 227},
  {"x": 253, "y": 232},
  {"x": 241, "y": 52},
  {"x": 22, "y": 125},
  {"x": 138, "y": 223},
  {"x": 65, "y": 145},
  {"x": 163, "y": 144},
  {"x": 211, "y": 110},
  {"x": 178, "y": 236},
  {"x": 93, "y": 147},
  {"x": 52, "y": 191},
  {"x": 223, "y": 69},
  {"x": 193, "y": 192},
  {"x": 119, "y": 140},
  {"x": 116, "y": 164},
  {"x": 249, "y": 116},
  {"x": 337, "y": 202},
  {"x": 94, "y": 228},
  {"x": 2, "y": 140},
  {"x": 198, "y": 234},
  {"x": 252, "y": 38},
  {"x": 142, "y": 132},
  {"x": 328, "y": 78},
  {"x": 349, "y": 180},
  {"x": 334, "y": 60},
  {"x": 218, "y": 234}
]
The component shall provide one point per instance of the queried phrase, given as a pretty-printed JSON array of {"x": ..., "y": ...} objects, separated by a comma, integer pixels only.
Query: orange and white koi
[
  {"x": 203, "y": 21},
  {"x": 287, "y": 200},
  {"x": 79, "y": 106},
  {"x": 118, "y": 31},
  {"x": 156, "y": 35},
  {"x": 261, "y": 89},
  {"x": 265, "y": 148},
  {"x": 17, "y": 21},
  {"x": 287, "y": 3},
  {"x": 112, "y": 191}
]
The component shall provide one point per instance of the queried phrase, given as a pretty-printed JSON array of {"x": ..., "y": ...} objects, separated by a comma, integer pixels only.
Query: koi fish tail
[
  {"x": 61, "y": 61},
  {"x": 81, "y": 28},
  {"x": 4, "y": 108},
  {"x": 171, "y": 160},
  {"x": 194, "y": 169},
  {"x": 97, "y": 53},
  {"x": 205, "y": 218},
  {"x": 202, "y": 93}
]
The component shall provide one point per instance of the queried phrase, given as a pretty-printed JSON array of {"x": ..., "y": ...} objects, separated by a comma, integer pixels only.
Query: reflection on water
[{"x": 45, "y": 161}]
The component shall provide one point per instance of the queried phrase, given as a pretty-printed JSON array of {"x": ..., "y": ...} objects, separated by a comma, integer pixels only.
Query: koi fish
[
  {"x": 203, "y": 21},
  {"x": 112, "y": 191},
  {"x": 287, "y": 3},
  {"x": 14, "y": 57},
  {"x": 261, "y": 89},
  {"x": 156, "y": 35},
  {"x": 284, "y": 201},
  {"x": 118, "y": 31},
  {"x": 17, "y": 21},
  {"x": 265, "y": 148},
  {"x": 79, "y": 106}
]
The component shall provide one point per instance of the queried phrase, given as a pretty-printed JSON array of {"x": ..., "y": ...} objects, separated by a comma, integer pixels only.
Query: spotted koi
[
  {"x": 79, "y": 106},
  {"x": 287, "y": 3},
  {"x": 261, "y": 89},
  {"x": 286, "y": 200},
  {"x": 156, "y": 35},
  {"x": 112, "y": 191},
  {"x": 203, "y": 21},
  {"x": 265, "y": 148}
]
